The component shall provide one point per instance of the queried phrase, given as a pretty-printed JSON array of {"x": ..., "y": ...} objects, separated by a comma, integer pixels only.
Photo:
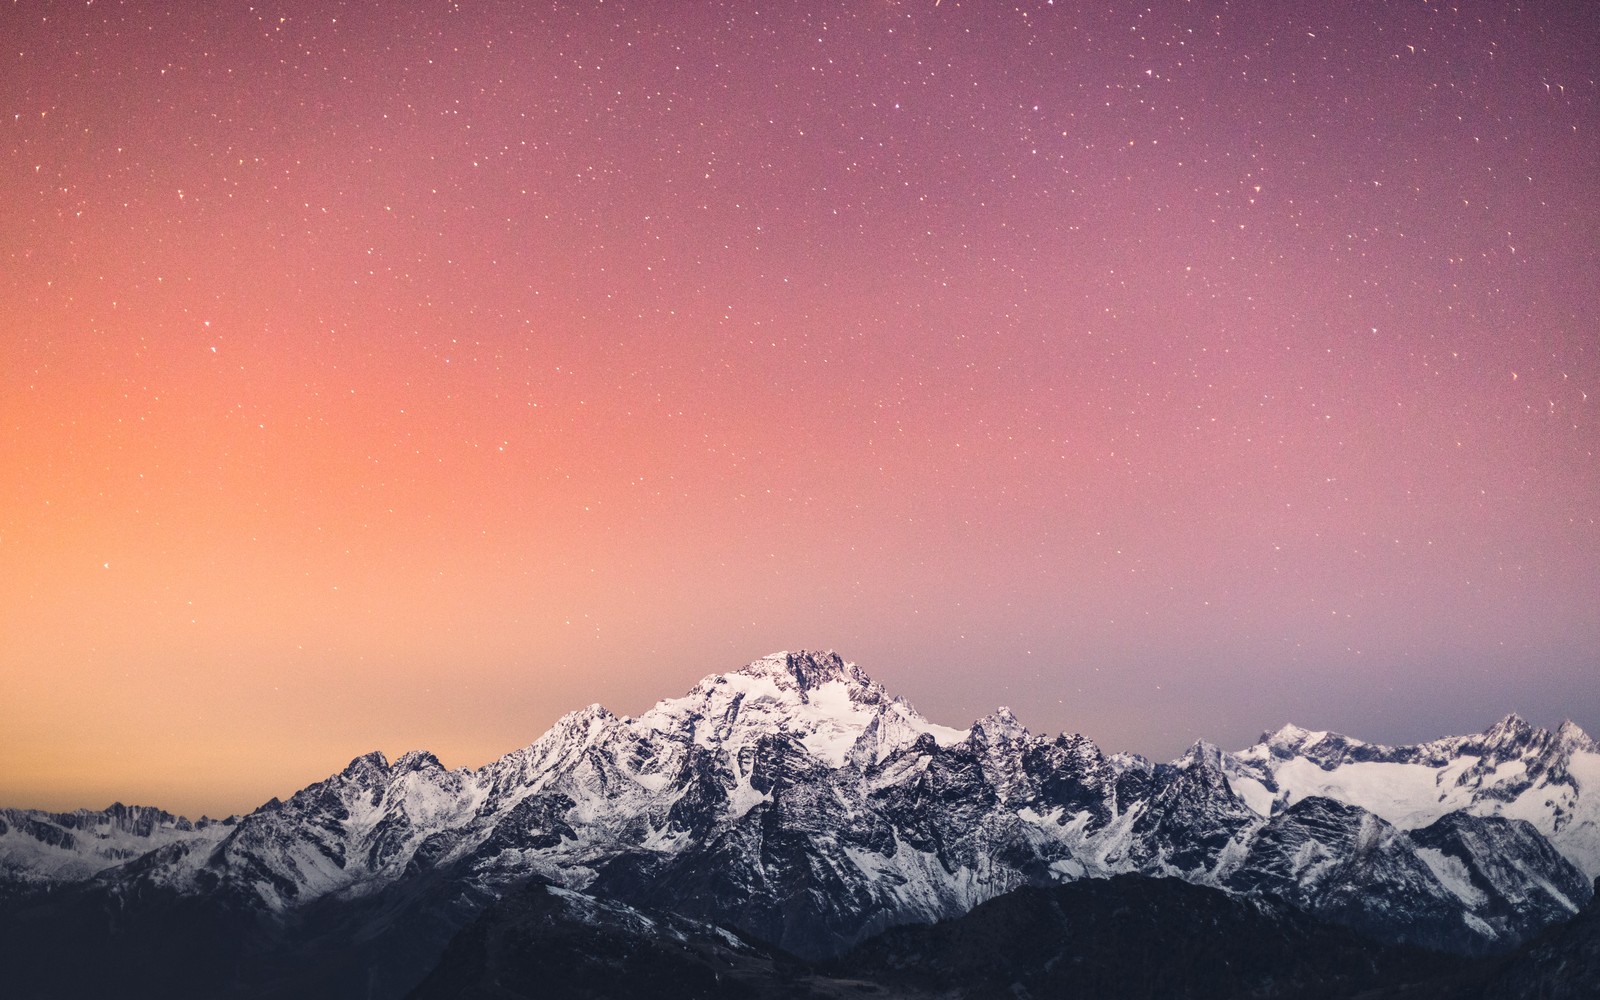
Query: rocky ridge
[{"x": 796, "y": 801}]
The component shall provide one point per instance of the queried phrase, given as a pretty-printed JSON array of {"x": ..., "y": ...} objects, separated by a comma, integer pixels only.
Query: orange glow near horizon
[{"x": 402, "y": 381}]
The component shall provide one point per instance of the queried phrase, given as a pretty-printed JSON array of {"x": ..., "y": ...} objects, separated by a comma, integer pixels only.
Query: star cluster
[{"x": 406, "y": 375}]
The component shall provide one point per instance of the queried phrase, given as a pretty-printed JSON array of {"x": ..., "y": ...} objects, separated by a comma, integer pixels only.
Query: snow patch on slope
[
  {"x": 1453, "y": 875},
  {"x": 1406, "y": 795}
]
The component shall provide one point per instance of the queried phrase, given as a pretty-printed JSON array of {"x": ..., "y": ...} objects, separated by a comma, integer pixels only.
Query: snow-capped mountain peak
[
  {"x": 825, "y": 702},
  {"x": 808, "y": 671},
  {"x": 1000, "y": 725},
  {"x": 1571, "y": 736},
  {"x": 1290, "y": 737},
  {"x": 39, "y": 849},
  {"x": 1202, "y": 753},
  {"x": 367, "y": 771},
  {"x": 1512, "y": 769},
  {"x": 1511, "y": 731},
  {"x": 796, "y": 798},
  {"x": 1327, "y": 749}
]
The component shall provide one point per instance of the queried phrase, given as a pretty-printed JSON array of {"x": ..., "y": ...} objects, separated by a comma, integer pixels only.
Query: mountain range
[{"x": 794, "y": 805}]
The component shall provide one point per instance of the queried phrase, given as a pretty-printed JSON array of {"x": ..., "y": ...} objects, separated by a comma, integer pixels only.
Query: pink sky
[{"x": 405, "y": 381}]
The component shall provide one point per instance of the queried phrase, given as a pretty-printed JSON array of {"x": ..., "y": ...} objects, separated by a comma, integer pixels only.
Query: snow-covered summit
[
  {"x": 416, "y": 760},
  {"x": 825, "y": 702},
  {"x": 807, "y": 671},
  {"x": 1000, "y": 725},
  {"x": 1511, "y": 729},
  {"x": 41, "y": 849},
  {"x": 1571, "y": 736},
  {"x": 1291, "y": 738},
  {"x": 1512, "y": 769}
]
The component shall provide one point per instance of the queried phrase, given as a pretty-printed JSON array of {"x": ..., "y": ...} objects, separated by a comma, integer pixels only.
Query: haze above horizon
[{"x": 407, "y": 378}]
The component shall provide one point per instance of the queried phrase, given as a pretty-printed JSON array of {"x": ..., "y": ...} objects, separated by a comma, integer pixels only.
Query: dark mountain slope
[
  {"x": 545, "y": 942},
  {"x": 1561, "y": 964},
  {"x": 1115, "y": 939},
  {"x": 1137, "y": 937}
]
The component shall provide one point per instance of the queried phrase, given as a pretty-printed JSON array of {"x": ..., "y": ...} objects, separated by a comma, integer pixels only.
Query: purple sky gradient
[{"x": 382, "y": 378}]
